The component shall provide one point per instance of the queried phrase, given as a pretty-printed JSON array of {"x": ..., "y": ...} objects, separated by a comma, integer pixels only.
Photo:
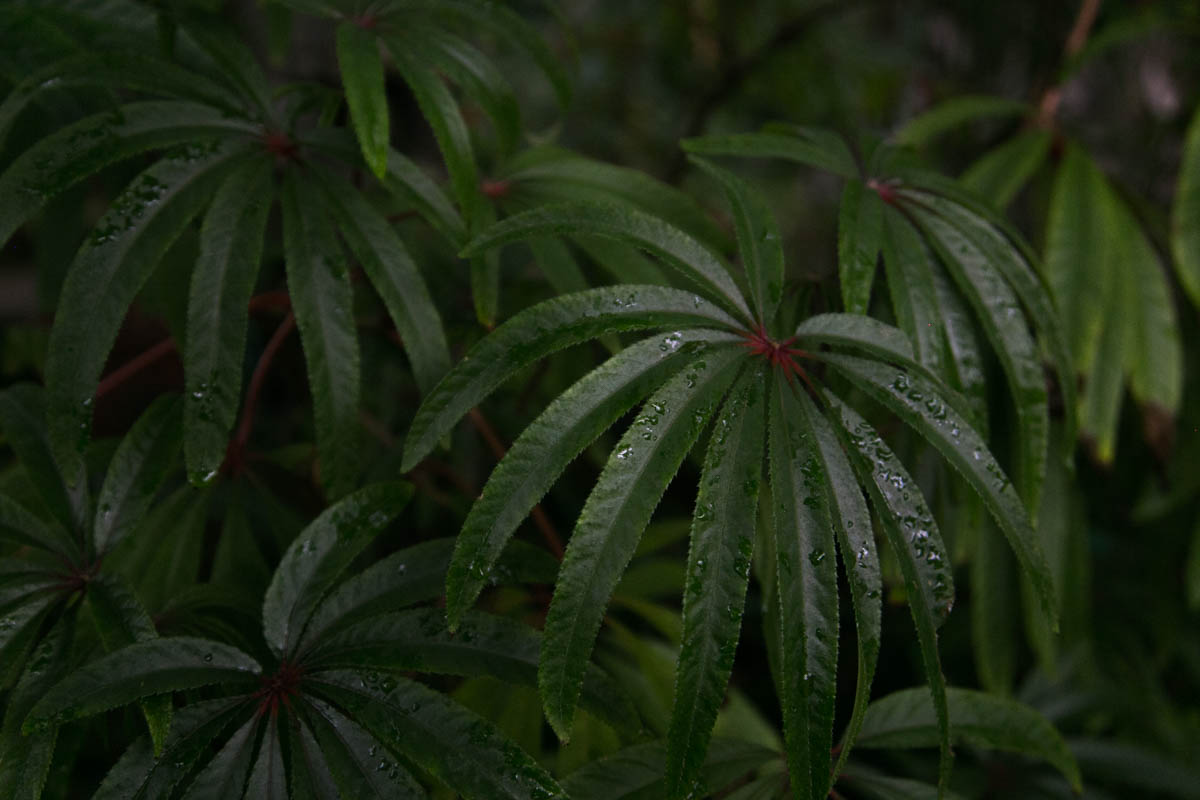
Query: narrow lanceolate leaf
[
  {"x": 309, "y": 772},
  {"x": 322, "y": 300},
  {"x": 995, "y": 611},
  {"x": 225, "y": 775},
  {"x": 22, "y": 622},
  {"x": 155, "y": 666},
  {"x": 759, "y": 241},
  {"x": 22, "y": 421},
  {"x": 918, "y": 403},
  {"x": 718, "y": 570},
  {"x": 613, "y": 518},
  {"x": 860, "y": 559},
  {"x": 540, "y": 331},
  {"x": 906, "y": 719},
  {"x": 807, "y": 587},
  {"x": 699, "y": 265},
  {"x": 231, "y": 242},
  {"x": 980, "y": 278},
  {"x": 814, "y": 147},
  {"x": 320, "y": 553},
  {"x": 362, "y": 78},
  {"x": 268, "y": 778},
  {"x": 550, "y": 443},
  {"x": 112, "y": 265},
  {"x": 71, "y": 154},
  {"x": 953, "y": 113},
  {"x": 461, "y": 749},
  {"x": 907, "y": 262},
  {"x": 418, "y": 640},
  {"x": 19, "y": 526},
  {"x": 864, "y": 335},
  {"x": 485, "y": 274},
  {"x": 1000, "y": 174},
  {"x": 916, "y": 543},
  {"x": 860, "y": 228},
  {"x": 361, "y": 767},
  {"x": 1185, "y": 215},
  {"x": 964, "y": 348},
  {"x": 137, "y": 471},
  {"x": 392, "y": 272}
]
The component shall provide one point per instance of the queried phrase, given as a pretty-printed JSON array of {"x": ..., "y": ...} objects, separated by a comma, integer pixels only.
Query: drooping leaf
[
  {"x": 906, "y": 719},
  {"x": 908, "y": 262},
  {"x": 718, "y": 571},
  {"x": 137, "y": 470},
  {"x": 322, "y": 300},
  {"x": 964, "y": 346},
  {"x": 612, "y": 520},
  {"x": 807, "y": 589},
  {"x": 539, "y": 331},
  {"x": 860, "y": 228},
  {"x": 362, "y": 78},
  {"x": 814, "y": 147},
  {"x": 1185, "y": 215},
  {"x": 116, "y": 260},
  {"x": 140, "y": 670},
  {"x": 549, "y": 444},
  {"x": 358, "y": 763},
  {"x": 465, "y": 751},
  {"x": 953, "y": 113},
  {"x": 1001, "y": 173},
  {"x": 231, "y": 243},
  {"x": 320, "y": 553}
]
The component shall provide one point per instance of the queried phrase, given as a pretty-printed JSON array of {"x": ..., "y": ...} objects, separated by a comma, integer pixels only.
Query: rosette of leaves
[
  {"x": 227, "y": 150},
  {"x": 334, "y": 712},
  {"x": 721, "y": 362},
  {"x": 63, "y": 536}
]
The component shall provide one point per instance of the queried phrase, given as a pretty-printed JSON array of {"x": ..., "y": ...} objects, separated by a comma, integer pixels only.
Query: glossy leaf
[
  {"x": 718, "y": 571},
  {"x": 140, "y": 670},
  {"x": 322, "y": 300},
  {"x": 361, "y": 69},
  {"x": 550, "y": 443},
  {"x": 978, "y": 719},
  {"x": 231, "y": 245},
  {"x": 860, "y": 228},
  {"x": 540, "y": 331},
  {"x": 953, "y": 113},
  {"x": 1185, "y": 215},
  {"x": 814, "y": 147},
  {"x": 320, "y": 553},
  {"x": 360, "y": 766},
  {"x": 908, "y": 262},
  {"x": 613, "y": 518}
]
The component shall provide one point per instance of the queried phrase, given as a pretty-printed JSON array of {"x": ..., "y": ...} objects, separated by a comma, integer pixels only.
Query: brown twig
[
  {"x": 237, "y": 446},
  {"x": 134, "y": 366},
  {"x": 543, "y": 523},
  {"x": 1076, "y": 39}
]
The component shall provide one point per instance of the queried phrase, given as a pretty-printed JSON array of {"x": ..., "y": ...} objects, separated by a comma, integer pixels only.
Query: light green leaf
[
  {"x": 718, "y": 571},
  {"x": 906, "y": 719},
  {"x": 1000, "y": 174},
  {"x": 322, "y": 300},
  {"x": 147, "y": 668},
  {"x": 807, "y": 589},
  {"x": 550, "y": 443},
  {"x": 361, "y": 69},
  {"x": 361, "y": 767},
  {"x": 613, "y": 518},
  {"x": 112, "y": 265},
  {"x": 231, "y": 244},
  {"x": 1185, "y": 215},
  {"x": 320, "y": 553},
  {"x": 540, "y": 331},
  {"x": 860, "y": 228},
  {"x": 814, "y": 147},
  {"x": 954, "y": 113}
]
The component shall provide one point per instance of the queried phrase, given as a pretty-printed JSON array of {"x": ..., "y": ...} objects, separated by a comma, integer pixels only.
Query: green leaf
[
  {"x": 116, "y": 260},
  {"x": 320, "y": 553},
  {"x": 20, "y": 527},
  {"x": 1185, "y": 215},
  {"x": 718, "y": 571},
  {"x": 76, "y": 151},
  {"x": 918, "y": 403},
  {"x": 138, "y": 469},
  {"x": 626, "y": 263},
  {"x": 954, "y": 113},
  {"x": 814, "y": 147},
  {"x": 1193, "y": 570},
  {"x": 459, "y": 748},
  {"x": 759, "y": 242},
  {"x": 140, "y": 670},
  {"x": 908, "y": 262},
  {"x": 362, "y": 78},
  {"x": 22, "y": 420},
  {"x": 540, "y": 331},
  {"x": 1001, "y": 173},
  {"x": 322, "y": 300},
  {"x": 268, "y": 779},
  {"x": 310, "y": 774},
  {"x": 860, "y": 229},
  {"x": 995, "y": 611},
  {"x": 964, "y": 349},
  {"x": 806, "y": 581},
  {"x": 485, "y": 275},
  {"x": 906, "y": 719},
  {"x": 545, "y": 448},
  {"x": 234, "y": 60},
  {"x": 916, "y": 543},
  {"x": 613, "y": 518},
  {"x": 22, "y": 624},
  {"x": 556, "y": 262},
  {"x": 871, "y": 784},
  {"x": 695, "y": 262},
  {"x": 395, "y": 276},
  {"x": 225, "y": 775},
  {"x": 1135, "y": 766},
  {"x": 359, "y": 764},
  {"x": 231, "y": 244}
]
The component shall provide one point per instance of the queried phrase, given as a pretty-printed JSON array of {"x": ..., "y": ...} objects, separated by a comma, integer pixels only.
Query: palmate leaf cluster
[{"x": 187, "y": 613}]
